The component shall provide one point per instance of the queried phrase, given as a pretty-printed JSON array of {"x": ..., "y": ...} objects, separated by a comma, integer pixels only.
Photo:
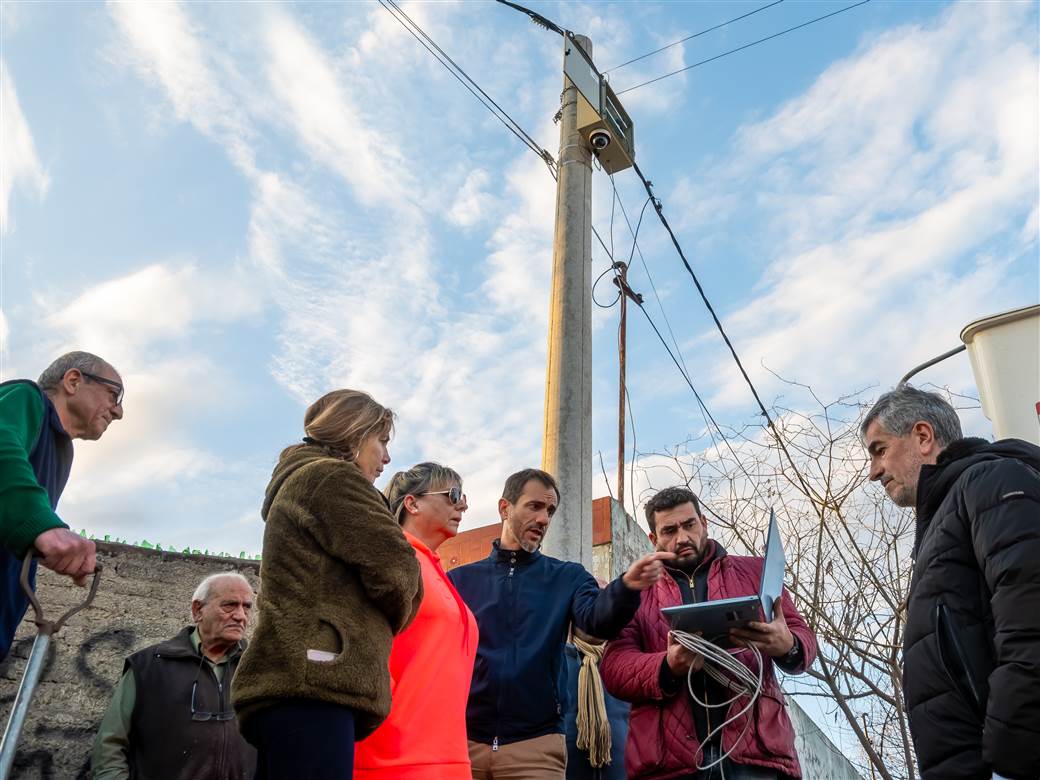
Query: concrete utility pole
[{"x": 567, "y": 441}]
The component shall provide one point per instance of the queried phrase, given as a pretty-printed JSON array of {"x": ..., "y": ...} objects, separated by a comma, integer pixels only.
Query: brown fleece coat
[{"x": 338, "y": 576}]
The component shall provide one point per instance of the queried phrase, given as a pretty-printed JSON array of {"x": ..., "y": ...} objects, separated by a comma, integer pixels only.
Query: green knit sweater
[
  {"x": 25, "y": 509},
  {"x": 337, "y": 581}
]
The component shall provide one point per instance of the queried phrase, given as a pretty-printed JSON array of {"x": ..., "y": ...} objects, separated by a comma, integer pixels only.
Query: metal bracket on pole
[{"x": 34, "y": 666}]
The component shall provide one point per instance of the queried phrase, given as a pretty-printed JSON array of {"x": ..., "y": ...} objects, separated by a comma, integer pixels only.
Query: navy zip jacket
[{"x": 524, "y": 604}]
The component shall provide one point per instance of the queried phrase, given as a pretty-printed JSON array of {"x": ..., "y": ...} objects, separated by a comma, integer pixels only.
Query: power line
[
  {"x": 430, "y": 45},
  {"x": 646, "y": 267},
  {"x": 536, "y": 17},
  {"x": 464, "y": 78},
  {"x": 709, "y": 419},
  {"x": 745, "y": 46},
  {"x": 688, "y": 37},
  {"x": 736, "y": 358}
]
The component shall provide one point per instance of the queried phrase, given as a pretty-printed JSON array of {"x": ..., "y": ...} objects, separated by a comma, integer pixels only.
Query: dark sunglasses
[
  {"x": 101, "y": 380},
  {"x": 454, "y": 494}
]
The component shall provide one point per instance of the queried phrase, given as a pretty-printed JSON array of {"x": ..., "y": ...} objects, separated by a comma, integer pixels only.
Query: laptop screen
[{"x": 772, "y": 569}]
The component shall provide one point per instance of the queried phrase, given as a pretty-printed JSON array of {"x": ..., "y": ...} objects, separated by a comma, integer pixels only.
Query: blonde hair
[
  {"x": 339, "y": 422},
  {"x": 419, "y": 479}
]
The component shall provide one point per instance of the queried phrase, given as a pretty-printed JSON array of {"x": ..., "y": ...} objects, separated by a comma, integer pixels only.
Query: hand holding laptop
[{"x": 773, "y": 638}]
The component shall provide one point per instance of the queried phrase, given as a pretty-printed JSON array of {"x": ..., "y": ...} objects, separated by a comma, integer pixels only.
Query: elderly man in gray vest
[{"x": 171, "y": 715}]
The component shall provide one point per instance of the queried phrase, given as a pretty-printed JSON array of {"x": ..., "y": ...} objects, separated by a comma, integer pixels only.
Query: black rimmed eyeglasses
[
  {"x": 111, "y": 383},
  {"x": 199, "y": 715},
  {"x": 454, "y": 494}
]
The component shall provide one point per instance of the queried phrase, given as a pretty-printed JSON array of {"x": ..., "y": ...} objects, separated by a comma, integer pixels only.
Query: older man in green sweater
[{"x": 76, "y": 397}]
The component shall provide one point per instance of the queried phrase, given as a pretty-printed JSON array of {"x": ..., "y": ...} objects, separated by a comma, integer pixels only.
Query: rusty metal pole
[
  {"x": 621, "y": 280},
  {"x": 622, "y": 338}
]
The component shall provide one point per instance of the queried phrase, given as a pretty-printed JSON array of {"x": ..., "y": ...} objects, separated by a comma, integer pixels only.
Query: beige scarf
[{"x": 593, "y": 725}]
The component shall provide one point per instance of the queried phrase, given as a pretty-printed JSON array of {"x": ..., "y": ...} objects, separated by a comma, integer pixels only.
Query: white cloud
[
  {"x": 363, "y": 300},
  {"x": 19, "y": 165},
  {"x": 884, "y": 188},
  {"x": 164, "y": 45},
  {"x": 148, "y": 324},
  {"x": 1031, "y": 228},
  {"x": 155, "y": 304},
  {"x": 333, "y": 129},
  {"x": 520, "y": 263},
  {"x": 472, "y": 201}
]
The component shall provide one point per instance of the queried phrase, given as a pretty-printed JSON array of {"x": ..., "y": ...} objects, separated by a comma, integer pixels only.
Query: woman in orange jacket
[{"x": 431, "y": 661}]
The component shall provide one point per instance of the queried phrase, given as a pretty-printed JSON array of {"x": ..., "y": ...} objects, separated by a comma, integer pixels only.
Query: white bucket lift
[{"x": 1005, "y": 358}]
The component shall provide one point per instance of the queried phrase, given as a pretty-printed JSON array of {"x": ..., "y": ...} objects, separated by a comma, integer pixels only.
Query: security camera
[{"x": 600, "y": 140}]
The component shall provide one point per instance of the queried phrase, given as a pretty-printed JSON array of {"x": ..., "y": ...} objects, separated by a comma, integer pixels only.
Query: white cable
[{"x": 724, "y": 667}]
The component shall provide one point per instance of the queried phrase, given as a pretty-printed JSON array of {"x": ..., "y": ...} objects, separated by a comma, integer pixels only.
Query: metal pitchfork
[{"x": 34, "y": 666}]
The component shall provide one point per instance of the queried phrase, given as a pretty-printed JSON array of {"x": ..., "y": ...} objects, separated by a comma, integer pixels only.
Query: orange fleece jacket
[{"x": 431, "y": 664}]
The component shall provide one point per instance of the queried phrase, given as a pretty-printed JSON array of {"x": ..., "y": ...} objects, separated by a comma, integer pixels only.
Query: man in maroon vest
[
  {"x": 671, "y": 734},
  {"x": 171, "y": 715}
]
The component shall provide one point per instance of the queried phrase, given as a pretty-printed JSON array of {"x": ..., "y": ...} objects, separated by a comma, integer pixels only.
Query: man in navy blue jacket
[{"x": 524, "y": 603}]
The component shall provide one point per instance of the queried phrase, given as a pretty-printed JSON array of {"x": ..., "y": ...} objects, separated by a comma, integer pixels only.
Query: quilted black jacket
[{"x": 971, "y": 651}]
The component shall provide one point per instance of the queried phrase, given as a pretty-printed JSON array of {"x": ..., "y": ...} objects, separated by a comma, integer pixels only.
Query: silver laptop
[{"x": 714, "y": 619}]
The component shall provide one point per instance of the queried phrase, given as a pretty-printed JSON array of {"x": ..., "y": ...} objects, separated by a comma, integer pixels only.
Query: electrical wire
[
  {"x": 689, "y": 37},
  {"x": 430, "y": 45},
  {"x": 709, "y": 418},
  {"x": 730, "y": 672},
  {"x": 648, "y": 185},
  {"x": 536, "y": 17},
  {"x": 464, "y": 78},
  {"x": 718, "y": 324},
  {"x": 676, "y": 357},
  {"x": 595, "y": 284},
  {"x": 745, "y": 46},
  {"x": 646, "y": 267}
]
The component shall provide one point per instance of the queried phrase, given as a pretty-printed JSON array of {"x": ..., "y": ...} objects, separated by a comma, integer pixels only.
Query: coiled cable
[{"x": 724, "y": 667}]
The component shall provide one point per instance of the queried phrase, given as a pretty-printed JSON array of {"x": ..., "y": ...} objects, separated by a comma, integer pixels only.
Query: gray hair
[
  {"x": 897, "y": 411},
  {"x": 202, "y": 592},
  {"x": 84, "y": 362},
  {"x": 419, "y": 479}
]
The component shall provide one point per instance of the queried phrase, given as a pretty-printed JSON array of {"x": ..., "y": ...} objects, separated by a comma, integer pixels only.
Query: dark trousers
[
  {"x": 305, "y": 739},
  {"x": 727, "y": 770}
]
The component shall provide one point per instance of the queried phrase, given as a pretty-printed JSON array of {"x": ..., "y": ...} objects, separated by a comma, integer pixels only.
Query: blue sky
[{"x": 245, "y": 205}]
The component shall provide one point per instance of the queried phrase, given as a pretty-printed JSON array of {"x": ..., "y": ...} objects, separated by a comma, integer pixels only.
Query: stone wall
[
  {"x": 819, "y": 757},
  {"x": 144, "y": 597}
]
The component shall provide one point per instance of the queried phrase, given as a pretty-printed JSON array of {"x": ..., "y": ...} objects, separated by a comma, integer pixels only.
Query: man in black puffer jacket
[{"x": 971, "y": 648}]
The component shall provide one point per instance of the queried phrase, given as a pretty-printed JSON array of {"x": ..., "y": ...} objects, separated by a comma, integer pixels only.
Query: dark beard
[{"x": 687, "y": 565}]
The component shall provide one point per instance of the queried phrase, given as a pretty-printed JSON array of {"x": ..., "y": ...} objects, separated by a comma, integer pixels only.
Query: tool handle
[{"x": 51, "y": 627}]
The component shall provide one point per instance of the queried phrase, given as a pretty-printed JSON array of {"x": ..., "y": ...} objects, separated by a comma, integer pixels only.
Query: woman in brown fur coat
[{"x": 338, "y": 581}]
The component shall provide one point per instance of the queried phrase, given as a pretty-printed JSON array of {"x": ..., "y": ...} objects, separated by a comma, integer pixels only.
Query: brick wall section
[{"x": 144, "y": 598}]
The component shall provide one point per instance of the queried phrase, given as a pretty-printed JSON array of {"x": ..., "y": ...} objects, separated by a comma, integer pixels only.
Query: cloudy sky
[{"x": 245, "y": 205}]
